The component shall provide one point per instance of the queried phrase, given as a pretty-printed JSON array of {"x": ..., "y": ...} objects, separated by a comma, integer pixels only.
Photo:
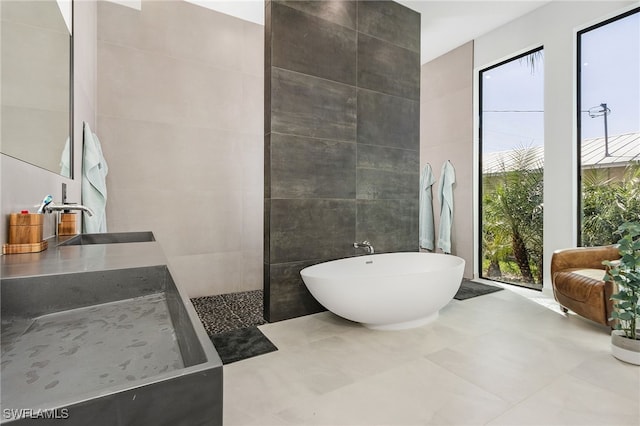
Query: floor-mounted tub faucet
[{"x": 365, "y": 245}]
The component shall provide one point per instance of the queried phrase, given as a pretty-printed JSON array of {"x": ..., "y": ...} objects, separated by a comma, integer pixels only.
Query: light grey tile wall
[
  {"x": 180, "y": 118},
  {"x": 446, "y": 121},
  {"x": 341, "y": 160}
]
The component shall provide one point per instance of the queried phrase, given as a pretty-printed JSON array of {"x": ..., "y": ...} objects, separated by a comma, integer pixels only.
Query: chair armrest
[{"x": 582, "y": 257}]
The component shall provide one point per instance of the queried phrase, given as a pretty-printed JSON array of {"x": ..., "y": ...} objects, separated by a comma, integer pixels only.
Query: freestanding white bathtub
[{"x": 390, "y": 291}]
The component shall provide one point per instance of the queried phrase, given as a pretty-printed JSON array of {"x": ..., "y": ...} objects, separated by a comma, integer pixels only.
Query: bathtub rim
[{"x": 309, "y": 270}]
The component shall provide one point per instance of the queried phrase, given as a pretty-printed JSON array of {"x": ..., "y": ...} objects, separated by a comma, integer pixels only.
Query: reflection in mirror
[{"x": 36, "y": 80}]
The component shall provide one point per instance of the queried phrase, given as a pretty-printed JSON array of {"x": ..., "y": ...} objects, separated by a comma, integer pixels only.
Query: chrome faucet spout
[
  {"x": 51, "y": 207},
  {"x": 365, "y": 245}
]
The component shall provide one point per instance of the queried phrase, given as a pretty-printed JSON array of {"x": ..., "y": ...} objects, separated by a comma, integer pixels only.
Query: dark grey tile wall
[
  {"x": 310, "y": 106},
  {"x": 322, "y": 39},
  {"x": 336, "y": 11},
  {"x": 387, "y": 68},
  {"x": 390, "y": 21},
  {"x": 303, "y": 229},
  {"x": 342, "y": 89},
  {"x": 388, "y": 120},
  {"x": 391, "y": 159},
  {"x": 304, "y": 167},
  {"x": 392, "y": 223}
]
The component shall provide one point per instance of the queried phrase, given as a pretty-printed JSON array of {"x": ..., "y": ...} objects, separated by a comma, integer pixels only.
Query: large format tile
[
  {"x": 375, "y": 184},
  {"x": 310, "y": 106},
  {"x": 211, "y": 155},
  {"x": 286, "y": 296},
  {"x": 266, "y": 158},
  {"x": 302, "y": 43},
  {"x": 266, "y": 232},
  {"x": 333, "y": 371},
  {"x": 504, "y": 366},
  {"x": 252, "y": 220},
  {"x": 390, "y": 225},
  {"x": 253, "y": 49},
  {"x": 416, "y": 392},
  {"x": 387, "y": 68},
  {"x": 388, "y": 120},
  {"x": 311, "y": 168},
  {"x": 604, "y": 371},
  {"x": 211, "y": 273},
  {"x": 252, "y": 105},
  {"x": 259, "y": 386},
  {"x": 126, "y": 26},
  {"x": 571, "y": 401},
  {"x": 213, "y": 224},
  {"x": 390, "y": 21},
  {"x": 302, "y": 331},
  {"x": 389, "y": 159},
  {"x": 267, "y": 69},
  {"x": 160, "y": 28},
  {"x": 342, "y": 12},
  {"x": 145, "y": 86},
  {"x": 307, "y": 229}
]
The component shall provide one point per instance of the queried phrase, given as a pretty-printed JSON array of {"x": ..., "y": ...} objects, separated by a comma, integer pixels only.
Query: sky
[{"x": 513, "y": 94}]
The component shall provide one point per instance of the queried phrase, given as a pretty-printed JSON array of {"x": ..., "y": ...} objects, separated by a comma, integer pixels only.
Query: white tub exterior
[{"x": 390, "y": 291}]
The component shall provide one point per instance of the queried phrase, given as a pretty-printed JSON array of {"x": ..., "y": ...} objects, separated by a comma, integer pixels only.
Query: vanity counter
[
  {"x": 101, "y": 334},
  {"x": 65, "y": 259}
]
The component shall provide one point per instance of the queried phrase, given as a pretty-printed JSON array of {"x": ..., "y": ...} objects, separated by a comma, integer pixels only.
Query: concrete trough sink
[
  {"x": 108, "y": 347},
  {"x": 109, "y": 238}
]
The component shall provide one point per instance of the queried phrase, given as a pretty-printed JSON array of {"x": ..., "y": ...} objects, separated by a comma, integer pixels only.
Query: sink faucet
[
  {"x": 51, "y": 207},
  {"x": 365, "y": 245}
]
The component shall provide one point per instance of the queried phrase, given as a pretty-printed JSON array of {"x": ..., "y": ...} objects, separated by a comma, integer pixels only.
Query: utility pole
[{"x": 602, "y": 111}]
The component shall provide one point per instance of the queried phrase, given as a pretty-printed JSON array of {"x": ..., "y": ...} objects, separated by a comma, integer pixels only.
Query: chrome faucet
[
  {"x": 365, "y": 245},
  {"x": 51, "y": 207}
]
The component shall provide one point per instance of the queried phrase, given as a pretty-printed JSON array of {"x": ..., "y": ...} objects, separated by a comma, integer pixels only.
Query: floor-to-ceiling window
[
  {"x": 609, "y": 127},
  {"x": 511, "y": 167}
]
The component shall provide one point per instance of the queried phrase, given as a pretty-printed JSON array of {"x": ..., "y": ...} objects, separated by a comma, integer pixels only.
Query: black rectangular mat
[
  {"x": 243, "y": 343},
  {"x": 469, "y": 289}
]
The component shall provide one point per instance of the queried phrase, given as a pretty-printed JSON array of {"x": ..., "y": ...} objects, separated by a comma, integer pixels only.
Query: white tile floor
[{"x": 498, "y": 359}]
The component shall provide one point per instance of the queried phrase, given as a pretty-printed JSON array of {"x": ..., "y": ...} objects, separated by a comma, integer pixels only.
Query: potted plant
[{"x": 625, "y": 274}]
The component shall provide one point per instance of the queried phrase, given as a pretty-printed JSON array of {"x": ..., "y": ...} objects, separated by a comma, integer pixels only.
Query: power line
[
  {"x": 521, "y": 110},
  {"x": 513, "y": 110}
]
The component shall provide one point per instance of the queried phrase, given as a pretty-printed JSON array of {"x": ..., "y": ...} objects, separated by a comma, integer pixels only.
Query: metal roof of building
[{"x": 622, "y": 150}]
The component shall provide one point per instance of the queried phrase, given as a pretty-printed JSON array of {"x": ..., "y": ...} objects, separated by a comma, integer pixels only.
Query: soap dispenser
[
  {"x": 67, "y": 224},
  {"x": 67, "y": 221}
]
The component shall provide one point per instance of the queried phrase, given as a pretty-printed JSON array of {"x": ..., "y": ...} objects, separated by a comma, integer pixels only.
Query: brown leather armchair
[{"x": 577, "y": 275}]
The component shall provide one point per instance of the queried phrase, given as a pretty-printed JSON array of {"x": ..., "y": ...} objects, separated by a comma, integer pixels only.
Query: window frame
[
  {"x": 579, "y": 113},
  {"x": 480, "y": 157}
]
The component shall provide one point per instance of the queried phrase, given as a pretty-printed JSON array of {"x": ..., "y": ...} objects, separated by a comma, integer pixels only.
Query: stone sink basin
[
  {"x": 109, "y": 238},
  {"x": 106, "y": 347}
]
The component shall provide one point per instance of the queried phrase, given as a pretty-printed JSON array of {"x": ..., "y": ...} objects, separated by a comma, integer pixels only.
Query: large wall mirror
[{"x": 36, "y": 45}]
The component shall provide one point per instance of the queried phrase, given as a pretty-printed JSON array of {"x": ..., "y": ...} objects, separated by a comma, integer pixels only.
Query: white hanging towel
[
  {"x": 427, "y": 229},
  {"x": 94, "y": 184},
  {"x": 445, "y": 193}
]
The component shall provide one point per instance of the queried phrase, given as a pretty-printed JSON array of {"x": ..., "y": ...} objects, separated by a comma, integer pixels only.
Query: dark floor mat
[
  {"x": 469, "y": 289},
  {"x": 236, "y": 345}
]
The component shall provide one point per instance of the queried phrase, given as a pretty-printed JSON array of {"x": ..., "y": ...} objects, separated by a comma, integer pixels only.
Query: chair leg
[{"x": 563, "y": 309}]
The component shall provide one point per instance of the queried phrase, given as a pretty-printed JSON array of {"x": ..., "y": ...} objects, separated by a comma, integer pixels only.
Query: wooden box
[
  {"x": 25, "y": 228},
  {"x": 67, "y": 225},
  {"x": 25, "y": 234}
]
